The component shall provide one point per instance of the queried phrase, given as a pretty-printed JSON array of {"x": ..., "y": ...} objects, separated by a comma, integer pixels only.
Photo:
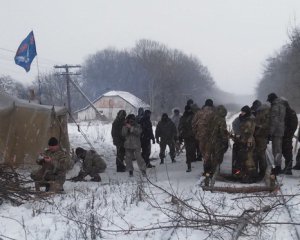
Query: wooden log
[{"x": 246, "y": 189}]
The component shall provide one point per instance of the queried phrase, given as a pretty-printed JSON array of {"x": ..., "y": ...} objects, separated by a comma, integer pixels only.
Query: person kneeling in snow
[
  {"x": 92, "y": 164},
  {"x": 52, "y": 174}
]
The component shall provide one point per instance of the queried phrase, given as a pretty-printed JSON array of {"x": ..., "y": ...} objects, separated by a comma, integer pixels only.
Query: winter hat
[
  {"x": 209, "y": 103},
  {"x": 246, "y": 109},
  {"x": 176, "y": 111},
  {"x": 147, "y": 113},
  {"x": 52, "y": 141},
  {"x": 189, "y": 102},
  {"x": 130, "y": 117},
  {"x": 79, "y": 151},
  {"x": 164, "y": 116},
  {"x": 271, "y": 97},
  {"x": 122, "y": 114},
  {"x": 255, "y": 105}
]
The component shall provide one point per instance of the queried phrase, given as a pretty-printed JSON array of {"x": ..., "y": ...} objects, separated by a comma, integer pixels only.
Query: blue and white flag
[{"x": 26, "y": 52}]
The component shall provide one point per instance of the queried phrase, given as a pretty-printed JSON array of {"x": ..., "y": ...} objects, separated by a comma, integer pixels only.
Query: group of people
[
  {"x": 254, "y": 128},
  {"x": 204, "y": 134}
]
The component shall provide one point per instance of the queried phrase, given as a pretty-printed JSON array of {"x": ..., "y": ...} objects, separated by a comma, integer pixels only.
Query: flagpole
[{"x": 39, "y": 81}]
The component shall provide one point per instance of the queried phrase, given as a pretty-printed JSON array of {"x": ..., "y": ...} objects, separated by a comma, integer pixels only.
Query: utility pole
[{"x": 67, "y": 73}]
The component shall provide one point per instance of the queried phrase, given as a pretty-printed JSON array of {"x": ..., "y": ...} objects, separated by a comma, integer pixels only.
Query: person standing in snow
[
  {"x": 118, "y": 140},
  {"x": 290, "y": 126},
  {"x": 166, "y": 134},
  {"x": 146, "y": 137},
  {"x": 277, "y": 126},
  {"x": 131, "y": 131},
  {"x": 186, "y": 134},
  {"x": 92, "y": 164},
  {"x": 261, "y": 133}
]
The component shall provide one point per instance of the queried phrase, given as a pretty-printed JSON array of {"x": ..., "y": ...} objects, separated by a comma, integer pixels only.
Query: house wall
[{"x": 109, "y": 106}]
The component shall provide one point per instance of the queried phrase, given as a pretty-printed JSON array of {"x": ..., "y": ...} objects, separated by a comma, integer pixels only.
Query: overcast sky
[{"x": 231, "y": 37}]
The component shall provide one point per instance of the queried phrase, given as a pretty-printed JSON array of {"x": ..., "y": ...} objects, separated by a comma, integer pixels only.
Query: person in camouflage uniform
[
  {"x": 201, "y": 124},
  {"x": 246, "y": 144},
  {"x": 261, "y": 133},
  {"x": 186, "y": 134},
  {"x": 52, "y": 173},
  {"x": 146, "y": 137},
  {"x": 92, "y": 164},
  {"x": 131, "y": 131},
  {"x": 166, "y": 134},
  {"x": 118, "y": 139},
  {"x": 219, "y": 138}
]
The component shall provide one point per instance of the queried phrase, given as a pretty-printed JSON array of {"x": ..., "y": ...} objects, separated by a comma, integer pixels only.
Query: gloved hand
[
  {"x": 157, "y": 141},
  {"x": 153, "y": 141}
]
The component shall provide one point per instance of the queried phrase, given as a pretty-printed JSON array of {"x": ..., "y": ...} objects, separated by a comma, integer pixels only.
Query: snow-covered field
[{"x": 134, "y": 208}]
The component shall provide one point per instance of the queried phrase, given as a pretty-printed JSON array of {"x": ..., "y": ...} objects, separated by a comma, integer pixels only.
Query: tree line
[
  {"x": 163, "y": 77},
  {"x": 281, "y": 72}
]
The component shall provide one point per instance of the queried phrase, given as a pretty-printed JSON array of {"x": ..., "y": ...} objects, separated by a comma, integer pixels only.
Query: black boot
[
  {"x": 121, "y": 168},
  {"x": 189, "y": 167},
  {"x": 162, "y": 161},
  {"x": 173, "y": 160},
  {"x": 130, "y": 173}
]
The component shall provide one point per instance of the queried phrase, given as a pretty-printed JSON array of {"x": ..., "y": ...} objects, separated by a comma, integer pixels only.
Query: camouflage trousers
[
  {"x": 134, "y": 153},
  {"x": 277, "y": 150},
  {"x": 43, "y": 178},
  {"x": 243, "y": 159},
  {"x": 260, "y": 155}
]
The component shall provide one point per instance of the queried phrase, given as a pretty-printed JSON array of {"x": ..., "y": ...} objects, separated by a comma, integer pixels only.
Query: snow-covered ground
[{"x": 132, "y": 208}]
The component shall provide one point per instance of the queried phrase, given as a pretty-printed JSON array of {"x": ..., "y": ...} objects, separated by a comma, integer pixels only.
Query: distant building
[{"x": 109, "y": 105}]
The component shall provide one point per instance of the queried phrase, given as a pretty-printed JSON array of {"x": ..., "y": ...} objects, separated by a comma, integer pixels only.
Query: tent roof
[{"x": 7, "y": 101}]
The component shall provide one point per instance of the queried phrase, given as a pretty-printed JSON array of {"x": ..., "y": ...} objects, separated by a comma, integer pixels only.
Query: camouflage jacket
[
  {"x": 219, "y": 133},
  {"x": 262, "y": 121},
  {"x": 247, "y": 128},
  {"x": 277, "y": 117},
  {"x": 58, "y": 163},
  {"x": 202, "y": 122},
  {"x": 132, "y": 136},
  {"x": 93, "y": 162}
]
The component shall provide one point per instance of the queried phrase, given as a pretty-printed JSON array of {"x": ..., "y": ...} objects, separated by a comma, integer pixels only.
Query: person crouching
[
  {"x": 92, "y": 164},
  {"x": 132, "y": 132}
]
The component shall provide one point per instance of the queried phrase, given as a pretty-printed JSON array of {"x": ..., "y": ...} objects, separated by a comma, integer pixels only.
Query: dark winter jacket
[
  {"x": 166, "y": 130},
  {"x": 185, "y": 125},
  {"x": 147, "y": 131},
  {"x": 116, "y": 131}
]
